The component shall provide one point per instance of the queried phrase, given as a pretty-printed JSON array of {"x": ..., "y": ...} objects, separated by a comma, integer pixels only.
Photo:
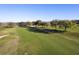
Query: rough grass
[
  {"x": 48, "y": 44},
  {"x": 8, "y": 44}
]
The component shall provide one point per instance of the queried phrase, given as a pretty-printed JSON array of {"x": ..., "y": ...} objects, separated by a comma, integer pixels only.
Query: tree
[
  {"x": 37, "y": 23},
  {"x": 64, "y": 24},
  {"x": 22, "y": 24},
  {"x": 54, "y": 23},
  {"x": 28, "y": 23},
  {"x": 43, "y": 24}
]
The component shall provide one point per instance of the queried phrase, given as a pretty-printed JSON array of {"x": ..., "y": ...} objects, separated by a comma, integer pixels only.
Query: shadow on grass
[{"x": 46, "y": 31}]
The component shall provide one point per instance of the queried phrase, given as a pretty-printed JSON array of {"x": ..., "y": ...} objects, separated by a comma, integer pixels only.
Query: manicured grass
[
  {"x": 46, "y": 44},
  {"x": 23, "y": 41}
]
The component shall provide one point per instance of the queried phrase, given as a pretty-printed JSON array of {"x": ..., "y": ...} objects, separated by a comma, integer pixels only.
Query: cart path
[{"x": 3, "y": 36}]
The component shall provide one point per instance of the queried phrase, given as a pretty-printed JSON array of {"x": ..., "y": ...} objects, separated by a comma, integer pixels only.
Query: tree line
[{"x": 65, "y": 24}]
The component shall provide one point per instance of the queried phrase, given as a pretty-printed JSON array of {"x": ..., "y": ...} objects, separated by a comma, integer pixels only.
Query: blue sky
[{"x": 44, "y": 12}]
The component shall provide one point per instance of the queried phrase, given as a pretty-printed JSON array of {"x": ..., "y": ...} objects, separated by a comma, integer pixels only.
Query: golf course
[
  {"x": 23, "y": 41},
  {"x": 39, "y": 29}
]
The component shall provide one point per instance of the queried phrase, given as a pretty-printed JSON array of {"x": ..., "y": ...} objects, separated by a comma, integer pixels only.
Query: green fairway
[
  {"x": 35, "y": 43},
  {"x": 22, "y": 41}
]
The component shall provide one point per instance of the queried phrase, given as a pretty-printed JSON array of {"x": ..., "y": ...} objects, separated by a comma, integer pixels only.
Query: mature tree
[
  {"x": 29, "y": 24},
  {"x": 43, "y": 24},
  {"x": 22, "y": 24},
  {"x": 61, "y": 24},
  {"x": 54, "y": 23},
  {"x": 37, "y": 23},
  {"x": 73, "y": 23},
  {"x": 64, "y": 24}
]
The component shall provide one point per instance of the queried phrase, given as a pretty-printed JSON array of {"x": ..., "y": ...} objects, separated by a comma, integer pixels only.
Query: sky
[{"x": 33, "y": 12}]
